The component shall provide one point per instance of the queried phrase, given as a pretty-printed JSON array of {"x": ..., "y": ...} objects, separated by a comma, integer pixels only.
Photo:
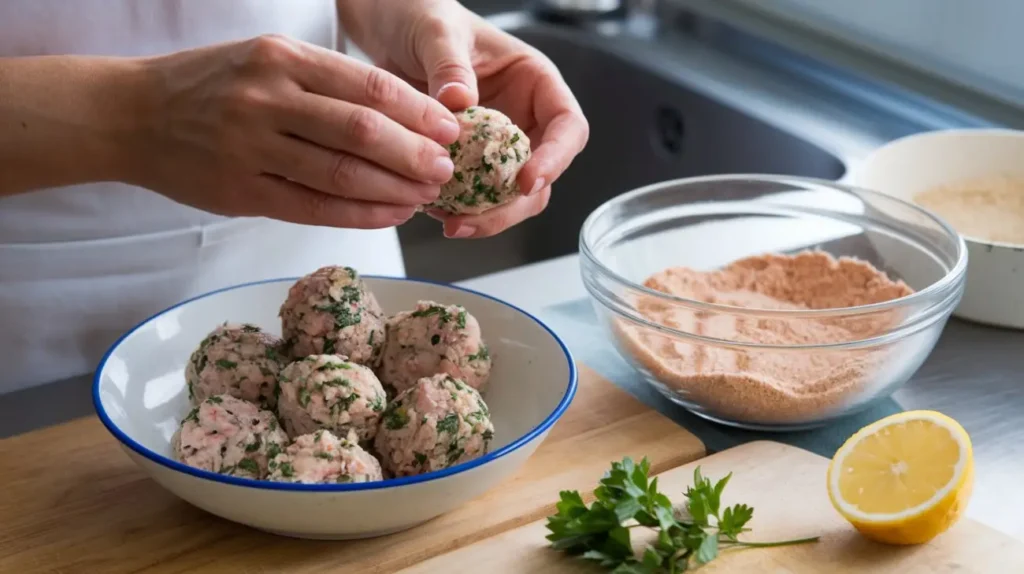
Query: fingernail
[
  {"x": 449, "y": 86},
  {"x": 537, "y": 186},
  {"x": 442, "y": 169},
  {"x": 449, "y": 131},
  {"x": 461, "y": 232}
]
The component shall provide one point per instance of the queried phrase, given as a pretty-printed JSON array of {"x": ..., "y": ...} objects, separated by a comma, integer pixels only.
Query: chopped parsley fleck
[
  {"x": 487, "y": 167},
  {"x": 273, "y": 449},
  {"x": 249, "y": 465},
  {"x": 378, "y": 403},
  {"x": 504, "y": 158},
  {"x": 339, "y": 382},
  {"x": 255, "y": 445},
  {"x": 351, "y": 273},
  {"x": 453, "y": 149},
  {"x": 193, "y": 415},
  {"x": 488, "y": 435},
  {"x": 421, "y": 458},
  {"x": 482, "y": 354},
  {"x": 438, "y": 310},
  {"x": 514, "y": 139},
  {"x": 215, "y": 400},
  {"x": 458, "y": 177},
  {"x": 370, "y": 342},
  {"x": 318, "y": 435},
  {"x": 304, "y": 397},
  {"x": 271, "y": 353},
  {"x": 454, "y": 455},
  {"x": 449, "y": 424},
  {"x": 328, "y": 346},
  {"x": 433, "y": 341},
  {"x": 343, "y": 314},
  {"x": 460, "y": 319},
  {"x": 330, "y": 366},
  {"x": 191, "y": 395},
  {"x": 395, "y": 416},
  {"x": 483, "y": 407},
  {"x": 287, "y": 470},
  {"x": 324, "y": 456},
  {"x": 343, "y": 478},
  {"x": 345, "y": 402},
  {"x": 226, "y": 364},
  {"x": 247, "y": 328}
]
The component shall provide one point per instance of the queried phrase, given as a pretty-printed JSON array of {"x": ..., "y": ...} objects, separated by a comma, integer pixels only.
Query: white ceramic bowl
[
  {"x": 140, "y": 395},
  {"x": 994, "y": 293}
]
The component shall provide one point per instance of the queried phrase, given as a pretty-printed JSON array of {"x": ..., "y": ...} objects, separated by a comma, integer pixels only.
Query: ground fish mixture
[
  {"x": 488, "y": 156},
  {"x": 229, "y": 436},
  {"x": 330, "y": 311},
  {"x": 328, "y": 392},
  {"x": 322, "y": 458},
  {"x": 437, "y": 423},
  {"x": 431, "y": 339},
  {"x": 240, "y": 360}
]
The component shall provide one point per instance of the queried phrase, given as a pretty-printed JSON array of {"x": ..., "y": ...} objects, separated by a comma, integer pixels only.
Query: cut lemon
[{"x": 904, "y": 479}]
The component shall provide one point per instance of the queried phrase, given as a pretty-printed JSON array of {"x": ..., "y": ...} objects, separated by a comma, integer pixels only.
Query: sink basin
[{"x": 667, "y": 128}]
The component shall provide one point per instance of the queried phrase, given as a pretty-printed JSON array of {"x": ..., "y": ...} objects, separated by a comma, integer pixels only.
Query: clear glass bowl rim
[{"x": 950, "y": 280}]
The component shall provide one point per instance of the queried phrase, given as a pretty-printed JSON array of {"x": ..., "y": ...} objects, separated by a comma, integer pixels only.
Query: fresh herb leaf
[
  {"x": 449, "y": 424},
  {"x": 226, "y": 364},
  {"x": 395, "y": 416},
  {"x": 287, "y": 470},
  {"x": 249, "y": 465},
  {"x": 626, "y": 498},
  {"x": 482, "y": 354}
]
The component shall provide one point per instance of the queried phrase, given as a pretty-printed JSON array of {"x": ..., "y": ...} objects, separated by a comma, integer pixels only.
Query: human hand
[
  {"x": 462, "y": 60},
  {"x": 279, "y": 128}
]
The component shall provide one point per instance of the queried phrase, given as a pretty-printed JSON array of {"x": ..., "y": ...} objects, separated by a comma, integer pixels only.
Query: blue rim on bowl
[{"x": 544, "y": 425}]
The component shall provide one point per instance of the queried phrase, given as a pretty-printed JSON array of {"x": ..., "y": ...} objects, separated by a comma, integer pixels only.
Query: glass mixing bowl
[{"x": 819, "y": 364}]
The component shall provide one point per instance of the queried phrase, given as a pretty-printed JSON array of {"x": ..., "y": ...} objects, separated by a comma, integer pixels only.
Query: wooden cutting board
[
  {"x": 73, "y": 502},
  {"x": 786, "y": 487}
]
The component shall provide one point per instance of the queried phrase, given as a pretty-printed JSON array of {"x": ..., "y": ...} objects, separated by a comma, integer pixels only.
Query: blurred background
[{"x": 679, "y": 88}]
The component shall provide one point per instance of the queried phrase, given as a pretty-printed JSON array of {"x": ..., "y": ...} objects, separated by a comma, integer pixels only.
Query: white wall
[{"x": 977, "y": 42}]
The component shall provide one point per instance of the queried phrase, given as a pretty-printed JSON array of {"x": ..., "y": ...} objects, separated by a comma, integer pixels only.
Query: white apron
[{"x": 81, "y": 265}]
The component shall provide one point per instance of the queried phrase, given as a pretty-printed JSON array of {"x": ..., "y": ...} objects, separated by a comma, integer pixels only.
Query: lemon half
[{"x": 904, "y": 479}]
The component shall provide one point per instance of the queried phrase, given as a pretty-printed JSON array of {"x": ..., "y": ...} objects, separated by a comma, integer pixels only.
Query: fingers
[
  {"x": 344, "y": 78},
  {"x": 565, "y": 133},
  {"x": 494, "y": 221},
  {"x": 289, "y": 201},
  {"x": 445, "y": 52},
  {"x": 343, "y": 174},
  {"x": 364, "y": 132}
]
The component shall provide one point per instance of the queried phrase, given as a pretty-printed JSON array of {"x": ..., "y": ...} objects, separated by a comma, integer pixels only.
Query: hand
[
  {"x": 279, "y": 128},
  {"x": 462, "y": 60}
]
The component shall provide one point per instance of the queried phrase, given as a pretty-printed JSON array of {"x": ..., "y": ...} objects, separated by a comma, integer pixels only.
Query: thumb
[{"x": 449, "y": 70}]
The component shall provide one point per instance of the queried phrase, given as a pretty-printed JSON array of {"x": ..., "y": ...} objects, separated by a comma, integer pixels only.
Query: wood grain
[
  {"x": 786, "y": 487},
  {"x": 73, "y": 502}
]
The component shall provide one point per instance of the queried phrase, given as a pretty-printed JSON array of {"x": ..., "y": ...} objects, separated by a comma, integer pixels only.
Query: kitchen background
[{"x": 894, "y": 66}]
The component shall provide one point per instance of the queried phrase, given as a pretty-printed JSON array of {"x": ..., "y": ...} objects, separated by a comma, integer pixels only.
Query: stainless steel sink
[{"x": 661, "y": 106}]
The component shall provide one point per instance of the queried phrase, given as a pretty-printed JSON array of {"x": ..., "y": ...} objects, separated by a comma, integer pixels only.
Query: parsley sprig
[{"x": 627, "y": 499}]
